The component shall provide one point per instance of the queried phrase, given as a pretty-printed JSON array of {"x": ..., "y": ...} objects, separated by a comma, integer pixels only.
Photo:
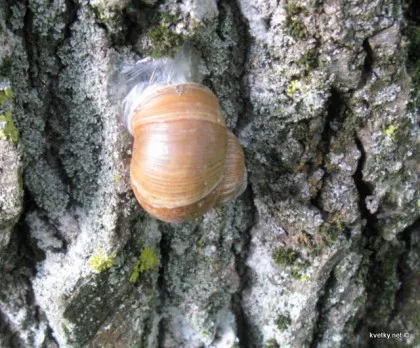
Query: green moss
[
  {"x": 283, "y": 322},
  {"x": 331, "y": 228},
  {"x": 361, "y": 300},
  {"x": 289, "y": 257},
  {"x": 148, "y": 260},
  {"x": 164, "y": 41},
  {"x": 316, "y": 249},
  {"x": 7, "y": 128},
  {"x": 271, "y": 343},
  {"x": 168, "y": 17},
  {"x": 363, "y": 270},
  {"x": 101, "y": 262},
  {"x": 108, "y": 11},
  {"x": 298, "y": 271},
  {"x": 104, "y": 14},
  {"x": 285, "y": 257},
  {"x": 294, "y": 9},
  {"x": 296, "y": 275},
  {"x": 309, "y": 60},
  {"x": 298, "y": 30},
  {"x": 329, "y": 231},
  {"x": 294, "y": 21}
]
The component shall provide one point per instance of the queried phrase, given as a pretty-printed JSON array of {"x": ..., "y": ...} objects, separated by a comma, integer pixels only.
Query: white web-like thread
[{"x": 148, "y": 75}]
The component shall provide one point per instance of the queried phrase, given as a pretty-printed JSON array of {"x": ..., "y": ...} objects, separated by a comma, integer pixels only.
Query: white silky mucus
[{"x": 148, "y": 75}]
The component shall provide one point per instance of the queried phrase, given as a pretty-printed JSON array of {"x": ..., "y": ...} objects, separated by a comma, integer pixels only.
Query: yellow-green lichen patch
[
  {"x": 200, "y": 246},
  {"x": 8, "y": 130},
  {"x": 116, "y": 178},
  {"x": 390, "y": 131},
  {"x": 148, "y": 260},
  {"x": 294, "y": 86},
  {"x": 100, "y": 261},
  {"x": 6, "y": 95}
]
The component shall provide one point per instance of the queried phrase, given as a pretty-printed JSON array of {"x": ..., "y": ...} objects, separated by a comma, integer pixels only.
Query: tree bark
[{"x": 322, "y": 249}]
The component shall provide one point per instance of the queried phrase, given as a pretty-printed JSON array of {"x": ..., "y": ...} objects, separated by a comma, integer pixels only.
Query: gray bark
[{"x": 322, "y": 249}]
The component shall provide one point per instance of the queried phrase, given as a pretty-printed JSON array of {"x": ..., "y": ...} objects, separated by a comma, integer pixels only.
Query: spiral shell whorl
[{"x": 185, "y": 161}]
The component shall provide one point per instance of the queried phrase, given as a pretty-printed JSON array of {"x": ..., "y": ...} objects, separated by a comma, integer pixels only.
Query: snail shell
[{"x": 185, "y": 161}]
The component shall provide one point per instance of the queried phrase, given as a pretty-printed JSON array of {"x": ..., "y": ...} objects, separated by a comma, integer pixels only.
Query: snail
[{"x": 185, "y": 161}]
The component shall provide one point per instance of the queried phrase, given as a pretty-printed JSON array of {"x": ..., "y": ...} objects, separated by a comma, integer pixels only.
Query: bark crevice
[{"x": 243, "y": 271}]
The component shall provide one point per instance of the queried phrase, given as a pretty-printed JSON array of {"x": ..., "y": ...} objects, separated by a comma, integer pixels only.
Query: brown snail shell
[{"x": 185, "y": 161}]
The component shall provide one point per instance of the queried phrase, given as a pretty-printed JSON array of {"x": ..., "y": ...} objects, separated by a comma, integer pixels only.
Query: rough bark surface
[{"x": 322, "y": 249}]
